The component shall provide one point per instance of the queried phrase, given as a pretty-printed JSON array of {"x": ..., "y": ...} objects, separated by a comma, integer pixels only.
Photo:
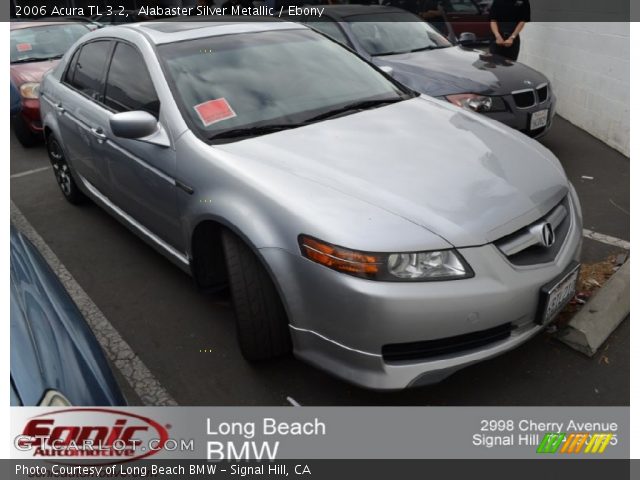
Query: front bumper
[
  {"x": 520, "y": 118},
  {"x": 30, "y": 114},
  {"x": 340, "y": 323}
]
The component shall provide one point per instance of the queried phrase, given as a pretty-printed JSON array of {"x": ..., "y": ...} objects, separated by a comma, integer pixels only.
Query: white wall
[{"x": 588, "y": 66}]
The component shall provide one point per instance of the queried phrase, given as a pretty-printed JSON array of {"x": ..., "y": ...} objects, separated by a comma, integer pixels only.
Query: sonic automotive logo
[{"x": 92, "y": 432}]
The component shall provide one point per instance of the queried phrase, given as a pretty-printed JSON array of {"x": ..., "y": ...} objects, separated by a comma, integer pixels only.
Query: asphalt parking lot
[{"x": 169, "y": 324}]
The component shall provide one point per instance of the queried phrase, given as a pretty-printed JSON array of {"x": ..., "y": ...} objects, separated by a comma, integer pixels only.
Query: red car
[
  {"x": 469, "y": 16},
  {"x": 36, "y": 47}
]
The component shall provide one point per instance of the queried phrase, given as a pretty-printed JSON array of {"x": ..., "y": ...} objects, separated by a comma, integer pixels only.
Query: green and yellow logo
[{"x": 574, "y": 443}]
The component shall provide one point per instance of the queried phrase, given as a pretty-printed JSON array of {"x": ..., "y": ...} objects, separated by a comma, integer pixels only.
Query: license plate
[
  {"x": 539, "y": 119},
  {"x": 557, "y": 293}
]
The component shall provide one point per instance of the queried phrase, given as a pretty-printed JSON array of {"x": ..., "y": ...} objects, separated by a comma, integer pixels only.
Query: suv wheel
[
  {"x": 63, "y": 173},
  {"x": 261, "y": 320}
]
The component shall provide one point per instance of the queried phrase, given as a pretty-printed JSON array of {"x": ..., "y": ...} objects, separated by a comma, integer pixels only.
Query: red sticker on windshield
[
  {"x": 214, "y": 111},
  {"x": 24, "y": 47}
]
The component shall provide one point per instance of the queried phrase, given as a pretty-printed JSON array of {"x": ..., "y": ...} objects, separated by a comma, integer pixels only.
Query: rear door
[
  {"x": 79, "y": 110},
  {"x": 141, "y": 174}
]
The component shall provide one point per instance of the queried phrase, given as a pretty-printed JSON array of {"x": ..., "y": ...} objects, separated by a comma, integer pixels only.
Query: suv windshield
[
  {"x": 268, "y": 81},
  {"x": 394, "y": 33},
  {"x": 44, "y": 42}
]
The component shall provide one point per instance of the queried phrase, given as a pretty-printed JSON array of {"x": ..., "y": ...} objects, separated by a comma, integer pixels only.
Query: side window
[
  {"x": 129, "y": 85},
  {"x": 331, "y": 30},
  {"x": 89, "y": 69},
  {"x": 68, "y": 77}
]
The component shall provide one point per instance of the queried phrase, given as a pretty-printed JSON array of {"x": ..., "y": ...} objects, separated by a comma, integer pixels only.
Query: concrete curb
[{"x": 600, "y": 316}]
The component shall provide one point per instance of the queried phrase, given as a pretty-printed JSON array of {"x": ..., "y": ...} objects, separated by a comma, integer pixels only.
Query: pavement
[{"x": 186, "y": 339}]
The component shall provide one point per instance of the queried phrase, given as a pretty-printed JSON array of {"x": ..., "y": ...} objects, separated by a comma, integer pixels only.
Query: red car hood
[{"x": 31, "y": 72}]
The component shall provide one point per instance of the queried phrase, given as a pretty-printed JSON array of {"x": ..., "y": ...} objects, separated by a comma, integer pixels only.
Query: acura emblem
[{"x": 547, "y": 237}]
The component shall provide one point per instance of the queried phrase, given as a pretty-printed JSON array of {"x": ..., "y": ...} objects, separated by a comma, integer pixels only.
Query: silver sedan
[{"x": 384, "y": 236}]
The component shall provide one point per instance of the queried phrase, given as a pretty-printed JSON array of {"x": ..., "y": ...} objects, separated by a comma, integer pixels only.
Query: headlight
[
  {"x": 390, "y": 267},
  {"x": 29, "y": 90},
  {"x": 54, "y": 398},
  {"x": 477, "y": 103}
]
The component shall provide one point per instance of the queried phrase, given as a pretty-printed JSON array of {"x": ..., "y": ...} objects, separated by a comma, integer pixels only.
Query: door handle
[
  {"x": 99, "y": 134},
  {"x": 59, "y": 108}
]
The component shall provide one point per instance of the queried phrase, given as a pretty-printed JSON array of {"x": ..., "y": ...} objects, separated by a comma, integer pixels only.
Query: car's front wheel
[
  {"x": 63, "y": 173},
  {"x": 261, "y": 320}
]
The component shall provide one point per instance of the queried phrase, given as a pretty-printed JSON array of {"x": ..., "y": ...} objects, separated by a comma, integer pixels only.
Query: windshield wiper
[
  {"x": 354, "y": 106},
  {"x": 429, "y": 47},
  {"x": 255, "y": 131},
  {"x": 420, "y": 49},
  {"x": 37, "y": 59}
]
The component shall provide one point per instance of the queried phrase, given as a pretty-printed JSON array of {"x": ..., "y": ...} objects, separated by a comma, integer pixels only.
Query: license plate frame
[
  {"x": 539, "y": 119},
  {"x": 556, "y": 294}
]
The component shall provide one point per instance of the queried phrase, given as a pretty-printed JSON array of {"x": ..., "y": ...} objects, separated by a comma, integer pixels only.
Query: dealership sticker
[
  {"x": 214, "y": 111},
  {"x": 24, "y": 47}
]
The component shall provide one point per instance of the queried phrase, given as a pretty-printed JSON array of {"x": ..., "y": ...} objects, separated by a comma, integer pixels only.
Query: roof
[
  {"x": 46, "y": 23},
  {"x": 174, "y": 31}
]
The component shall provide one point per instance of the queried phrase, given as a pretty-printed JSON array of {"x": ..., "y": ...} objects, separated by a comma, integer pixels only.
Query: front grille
[
  {"x": 401, "y": 352},
  {"x": 524, "y": 98},
  {"x": 522, "y": 248},
  {"x": 543, "y": 93}
]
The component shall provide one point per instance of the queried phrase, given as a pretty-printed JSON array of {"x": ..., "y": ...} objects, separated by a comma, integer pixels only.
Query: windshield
[
  {"x": 393, "y": 33},
  {"x": 44, "y": 42},
  {"x": 283, "y": 77}
]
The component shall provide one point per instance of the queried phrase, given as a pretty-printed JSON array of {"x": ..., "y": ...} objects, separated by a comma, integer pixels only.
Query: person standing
[{"x": 508, "y": 18}]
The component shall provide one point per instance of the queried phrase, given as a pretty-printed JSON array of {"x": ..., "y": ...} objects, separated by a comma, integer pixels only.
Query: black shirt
[{"x": 508, "y": 13}]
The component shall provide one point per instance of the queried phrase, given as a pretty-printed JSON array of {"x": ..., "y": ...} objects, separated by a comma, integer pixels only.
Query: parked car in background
[
  {"x": 458, "y": 15},
  {"x": 55, "y": 358},
  {"x": 468, "y": 16},
  {"x": 383, "y": 235},
  {"x": 36, "y": 47},
  {"x": 417, "y": 55}
]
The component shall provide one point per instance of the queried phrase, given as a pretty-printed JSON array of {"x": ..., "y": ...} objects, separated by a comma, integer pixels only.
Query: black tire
[
  {"x": 261, "y": 320},
  {"x": 25, "y": 136},
  {"x": 62, "y": 171}
]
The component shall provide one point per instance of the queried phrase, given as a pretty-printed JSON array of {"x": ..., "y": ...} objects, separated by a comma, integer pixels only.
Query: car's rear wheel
[
  {"x": 25, "y": 136},
  {"x": 62, "y": 172},
  {"x": 261, "y": 319}
]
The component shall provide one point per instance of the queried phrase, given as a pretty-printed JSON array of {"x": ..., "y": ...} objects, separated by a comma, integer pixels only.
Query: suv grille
[{"x": 400, "y": 352}]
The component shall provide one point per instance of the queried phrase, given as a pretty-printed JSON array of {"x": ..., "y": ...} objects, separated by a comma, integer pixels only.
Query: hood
[
  {"x": 454, "y": 70},
  {"x": 51, "y": 345},
  {"x": 31, "y": 72},
  {"x": 466, "y": 179}
]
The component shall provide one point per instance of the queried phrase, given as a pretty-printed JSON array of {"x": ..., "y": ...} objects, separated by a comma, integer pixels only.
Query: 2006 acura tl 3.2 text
[{"x": 386, "y": 237}]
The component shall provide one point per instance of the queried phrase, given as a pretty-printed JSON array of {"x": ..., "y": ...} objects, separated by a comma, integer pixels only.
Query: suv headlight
[
  {"x": 29, "y": 90},
  {"x": 53, "y": 398},
  {"x": 389, "y": 267},
  {"x": 478, "y": 103}
]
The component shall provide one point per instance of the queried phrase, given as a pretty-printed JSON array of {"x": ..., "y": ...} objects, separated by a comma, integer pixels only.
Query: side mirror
[
  {"x": 135, "y": 125},
  {"x": 387, "y": 69},
  {"x": 467, "y": 38}
]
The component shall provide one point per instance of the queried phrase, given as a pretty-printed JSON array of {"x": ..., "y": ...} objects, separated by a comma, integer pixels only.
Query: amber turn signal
[{"x": 338, "y": 258}]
